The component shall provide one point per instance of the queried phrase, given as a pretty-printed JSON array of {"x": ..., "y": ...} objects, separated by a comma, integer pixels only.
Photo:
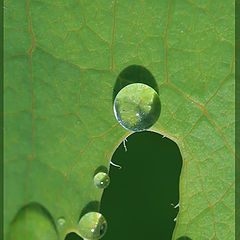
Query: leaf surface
[{"x": 62, "y": 59}]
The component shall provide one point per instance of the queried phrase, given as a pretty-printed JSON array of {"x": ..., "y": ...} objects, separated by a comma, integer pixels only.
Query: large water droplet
[
  {"x": 92, "y": 226},
  {"x": 101, "y": 180},
  {"x": 137, "y": 107},
  {"x": 33, "y": 222}
]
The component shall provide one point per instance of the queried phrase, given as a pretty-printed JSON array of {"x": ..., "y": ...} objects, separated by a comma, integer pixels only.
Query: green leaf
[{"x": 62, "y": 60}]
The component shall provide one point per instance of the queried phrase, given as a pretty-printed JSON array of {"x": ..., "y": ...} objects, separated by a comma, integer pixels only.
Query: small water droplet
[
  {"x": 61, "y": 221},
  {"x": 101, "y": 180},
  {"x": 78, "y": 122},
  {"x": 92, "y": 226},
  {"x": 137, "y": 107}
]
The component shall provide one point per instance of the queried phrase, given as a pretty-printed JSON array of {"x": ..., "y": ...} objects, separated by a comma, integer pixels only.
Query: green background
[{"x": 149, "y": 176}]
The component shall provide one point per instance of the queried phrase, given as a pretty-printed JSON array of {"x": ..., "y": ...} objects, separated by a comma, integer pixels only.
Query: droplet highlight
[
  {"x": 137, "y": 107},
  {"x": 101, "y": 180},
  {"x": 92, "y": 226}
]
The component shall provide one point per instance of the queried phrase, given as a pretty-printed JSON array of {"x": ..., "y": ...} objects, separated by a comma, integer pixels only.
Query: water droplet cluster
[
  {"x": 136, "y": 107},
  {"x": 93, "y": 225}
]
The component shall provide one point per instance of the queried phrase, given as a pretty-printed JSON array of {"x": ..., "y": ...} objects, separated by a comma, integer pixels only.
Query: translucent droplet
[
  {"x": 101, "y": 180},
  {"x": 78, "y": 122},
  {"x": 137, "y": 107},
  {"x": 61, "y": 221},
  {"x": 32, "y": 222},
  {"x": 92, "y": 226}
]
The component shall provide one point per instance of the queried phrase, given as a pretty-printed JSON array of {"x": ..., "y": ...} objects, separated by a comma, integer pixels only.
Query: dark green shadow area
[
  {"x": 100, "y": 169},
  {"x": 134, "y": 74},
  {"x": 72, "y": 236},
  {"x": 184, "y": 238},
  {"x": 90, "y": 207},
  {"x": 138, "y": 202}
]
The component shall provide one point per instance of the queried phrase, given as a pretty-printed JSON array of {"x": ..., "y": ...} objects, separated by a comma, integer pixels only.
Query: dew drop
[
  {"x": 92, "y": 226},
  {"x": 61, "y": 221},
  {"x": 137, "y": 107},
  {"x": 101, "y": 180},
  {"x": 78, "y": 122}
]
